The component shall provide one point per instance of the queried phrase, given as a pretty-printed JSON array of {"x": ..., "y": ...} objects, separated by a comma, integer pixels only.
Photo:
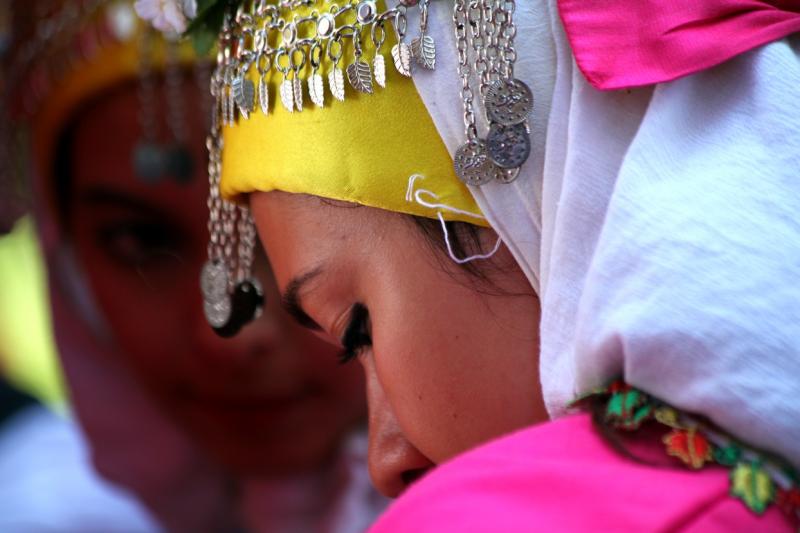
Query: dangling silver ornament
[
  {"x": 508, "y": 146},
  {"x": 508, "y": 102},
  {"x": 472, "y": 165},
  {"x": 214, "y": 280},
  {"x": 244, "y": 94},
  {"x": 360, "y": 76}
]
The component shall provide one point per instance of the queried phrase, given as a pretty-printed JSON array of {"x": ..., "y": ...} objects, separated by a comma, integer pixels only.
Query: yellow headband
[{"x": 362, "y": 150}]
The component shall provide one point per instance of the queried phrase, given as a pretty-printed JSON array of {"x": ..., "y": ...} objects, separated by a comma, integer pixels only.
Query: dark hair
[{"x": 465, "y": 240}]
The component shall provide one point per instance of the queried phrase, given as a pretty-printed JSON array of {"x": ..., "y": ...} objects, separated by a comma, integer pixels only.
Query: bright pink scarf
[{"x": 629, "y": 43}]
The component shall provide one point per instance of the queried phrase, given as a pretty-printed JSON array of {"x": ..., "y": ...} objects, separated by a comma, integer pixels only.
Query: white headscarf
[{"x": 659, "y": 227}]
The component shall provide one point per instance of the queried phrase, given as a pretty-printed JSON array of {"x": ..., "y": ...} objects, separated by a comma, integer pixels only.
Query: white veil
[{"x": 659, "y": 227}]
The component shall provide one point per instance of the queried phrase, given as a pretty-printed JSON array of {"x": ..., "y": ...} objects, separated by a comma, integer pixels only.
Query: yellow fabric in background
[{"x": 27, "y": 348}]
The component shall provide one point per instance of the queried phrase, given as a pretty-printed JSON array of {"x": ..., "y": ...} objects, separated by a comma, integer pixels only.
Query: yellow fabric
[
  {"x": 362, "y": 150},
  {"x": 27, "y": 347}
]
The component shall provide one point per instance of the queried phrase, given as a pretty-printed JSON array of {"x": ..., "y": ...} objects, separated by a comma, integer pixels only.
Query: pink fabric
[
  {"x": 561, "y": 476},
  {"x": 629, "y": 43}
]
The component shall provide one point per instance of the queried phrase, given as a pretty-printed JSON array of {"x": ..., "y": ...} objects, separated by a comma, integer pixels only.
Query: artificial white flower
[{"x": 168, "y": 16}]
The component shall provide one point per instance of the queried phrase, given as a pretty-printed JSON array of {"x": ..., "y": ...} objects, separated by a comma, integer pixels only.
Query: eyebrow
[{"x": 291, "y": 301}]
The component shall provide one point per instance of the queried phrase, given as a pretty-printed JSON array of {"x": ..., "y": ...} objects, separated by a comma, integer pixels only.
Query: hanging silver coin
[
  {"x": 214, "y": 286},
  {"x": 508, "y": 102},
  {"x": 472, "y": 165},
  {"x": 506, "y": 175},
  {"x": 149, "y": 161},
  {"x": 214, "y": 280},
  {"x": 217, "y": 313},
  {"x": 508, "y": 146}
]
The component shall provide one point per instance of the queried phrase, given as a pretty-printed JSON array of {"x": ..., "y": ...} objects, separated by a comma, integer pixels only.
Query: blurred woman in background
[{"x": 261, "y": 432}]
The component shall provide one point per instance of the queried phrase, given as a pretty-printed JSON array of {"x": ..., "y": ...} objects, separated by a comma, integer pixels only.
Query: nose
[{"x": 394, "y": 463}]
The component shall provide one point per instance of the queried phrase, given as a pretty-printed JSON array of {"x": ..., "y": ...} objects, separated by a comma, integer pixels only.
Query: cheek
[
  {"x": 451, "y": 380},
  {"x": 150, "y": 333},
  {"x": 343, "y": 384}
]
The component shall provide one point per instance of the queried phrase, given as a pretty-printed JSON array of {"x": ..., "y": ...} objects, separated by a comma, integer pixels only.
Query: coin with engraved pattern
[
  {"x": 508, "y": 146},
  {"x": 472, "y": 164},
  {"x": 508, "y": 102}
]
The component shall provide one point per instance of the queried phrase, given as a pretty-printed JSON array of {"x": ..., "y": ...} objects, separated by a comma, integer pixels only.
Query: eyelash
[{"x": 356, "y": 335}]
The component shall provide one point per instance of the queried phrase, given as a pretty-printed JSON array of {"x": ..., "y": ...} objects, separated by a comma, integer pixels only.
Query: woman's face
[
  {"x": 449, "y": 363},
  {"x": 271, "y": 401}
]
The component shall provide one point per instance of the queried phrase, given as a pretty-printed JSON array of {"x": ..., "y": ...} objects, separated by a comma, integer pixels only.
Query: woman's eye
[
  {"x": 357, "y": 335},
  {"x": 139, "y": 244}
]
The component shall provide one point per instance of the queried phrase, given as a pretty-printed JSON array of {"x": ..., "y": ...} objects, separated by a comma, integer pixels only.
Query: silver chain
[
  {"x": 484, "y": 29},
  {"x": 147, "y": 89},
  {"x": 461, "y": 23},
  {"x": 214, "y": 146},
  {"x": 506, "y": 34}
]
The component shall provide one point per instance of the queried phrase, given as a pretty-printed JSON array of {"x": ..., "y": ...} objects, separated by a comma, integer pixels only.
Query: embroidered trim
[{"x": 756, "y": 478}]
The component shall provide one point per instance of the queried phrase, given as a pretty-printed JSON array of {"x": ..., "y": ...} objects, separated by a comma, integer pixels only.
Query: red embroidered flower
[
  {"x": 689, "y": 446},
  {"x": 789, "y": 502}
]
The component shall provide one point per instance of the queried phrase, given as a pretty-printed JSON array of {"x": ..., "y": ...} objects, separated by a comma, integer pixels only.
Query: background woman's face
[
  {"x": 271, "y": 401},
  {"x": 447, "y": 366}
]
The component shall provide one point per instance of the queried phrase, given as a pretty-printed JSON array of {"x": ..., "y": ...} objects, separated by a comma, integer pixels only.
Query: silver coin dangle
[
  {"x": 247, "y": 301},
  {"x": 508, "y": 102},
  {"x": 214, "y": 280},
  {"x": 508, "y": 146},
  {"x": 472, "y": 164}
]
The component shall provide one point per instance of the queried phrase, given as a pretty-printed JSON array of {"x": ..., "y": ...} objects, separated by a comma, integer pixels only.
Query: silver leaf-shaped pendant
[
  {"x": 336, "y": 83},
  {"x": 360, "y": 76},
  {"x": 244, "y": 95},
  {"x": 297, "y": 86},
  {"x": 379, "y": 66},
  {"x": 424, "y": 51},
  {"x": 287, "y": 95},
  {"x": 401, "y": 53},
  {"x": 263, "y": 95},
  {"x": 316, "y": 90}
]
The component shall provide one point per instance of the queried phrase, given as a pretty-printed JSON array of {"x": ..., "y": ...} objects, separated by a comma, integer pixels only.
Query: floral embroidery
[
  {"x": 668, "y": 416},
  {"x": 727, "y": 455},
  {"x": 689, "y": 446},
  {"x": 751, "y": 484},
  {"x": 788, "y": 501},
  {"x": 755, "y": 479},
  {"x": 628, "y": 408}
]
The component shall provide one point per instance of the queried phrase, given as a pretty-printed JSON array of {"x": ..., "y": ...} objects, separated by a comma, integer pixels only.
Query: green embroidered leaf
[
  {"x": 628, "y": 408},
  {"x": 727, "y": 456}
]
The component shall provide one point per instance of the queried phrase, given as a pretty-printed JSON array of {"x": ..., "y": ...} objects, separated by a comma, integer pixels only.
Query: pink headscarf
[{"x": 620, "y": 43}]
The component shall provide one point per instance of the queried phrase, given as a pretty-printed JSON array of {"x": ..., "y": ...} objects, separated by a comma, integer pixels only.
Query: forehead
[
  {"x": 302, "y": 232},
  {"x": 106, "y": 132}
]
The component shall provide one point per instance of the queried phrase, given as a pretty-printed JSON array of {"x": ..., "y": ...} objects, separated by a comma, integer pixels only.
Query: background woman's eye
[
  {"x": 357, "y": 335},
  {"x": 140, "y": 244}
]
